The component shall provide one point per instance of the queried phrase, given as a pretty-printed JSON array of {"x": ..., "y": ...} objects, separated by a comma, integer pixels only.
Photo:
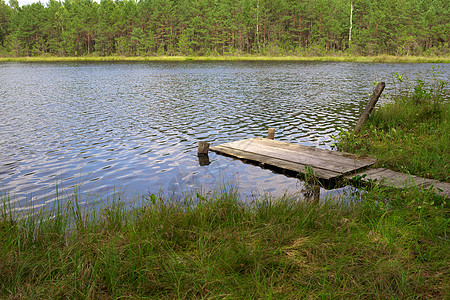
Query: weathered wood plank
[
  {"x": 440, "y": 188},
  {"x": 386, "y": 177},
  {"x": 301, "y": 160},
  {"x": 347, "y": 159},
  {"x": 393, "y": 179},
  {"x": 289, "y": 157},
  {"x": 326, "y": 164},
  {"x": 304, "y": 155},
  {"x": 272, "y": 161},
  {"x": 302, "y": 148}
]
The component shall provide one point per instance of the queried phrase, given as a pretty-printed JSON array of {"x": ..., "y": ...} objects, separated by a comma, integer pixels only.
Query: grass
[
  {"x": 219, "y": 247},
  {"x": 385, "y": 243},
  {"x": 337, "y": 58},
  {"x": 410, "y": 134}
]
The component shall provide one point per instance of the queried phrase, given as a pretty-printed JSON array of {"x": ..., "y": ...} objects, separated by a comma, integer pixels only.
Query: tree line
[{"x": 224, "y": 27}]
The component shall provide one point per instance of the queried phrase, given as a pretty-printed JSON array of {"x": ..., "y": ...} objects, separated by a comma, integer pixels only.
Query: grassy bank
[
  {"x": 343, "y": 58},
  {"x": 410, "y": 134},
  {"x": 219, "y": 247},
  {"x": 384, "y": 244}
]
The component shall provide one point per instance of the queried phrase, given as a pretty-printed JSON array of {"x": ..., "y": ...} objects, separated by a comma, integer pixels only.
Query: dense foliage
[{"x": 237, "y": 27}]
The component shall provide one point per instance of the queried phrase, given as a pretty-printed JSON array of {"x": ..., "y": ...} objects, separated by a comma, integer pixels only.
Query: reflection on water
[{"x": 134, "y": 127}]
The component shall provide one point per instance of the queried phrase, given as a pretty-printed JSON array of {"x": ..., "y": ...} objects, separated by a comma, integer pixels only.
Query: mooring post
[
  {"x": 203, "y": 148},
  {"x": 203, "y": 160},
  {"x": 202, "y": 153},
  {"x": 271, "y": 133},
  {"x": 369, "y": 107}
]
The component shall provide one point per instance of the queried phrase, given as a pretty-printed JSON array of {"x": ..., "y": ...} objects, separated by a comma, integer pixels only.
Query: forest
[{"x": 225, "y": 27}]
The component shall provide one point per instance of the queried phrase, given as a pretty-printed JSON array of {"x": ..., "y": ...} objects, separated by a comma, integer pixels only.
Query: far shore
[{"x": 349, "y": 58}]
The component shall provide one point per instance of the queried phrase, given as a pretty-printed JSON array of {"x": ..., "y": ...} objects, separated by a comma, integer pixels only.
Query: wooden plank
[
  {"x": 368, "y": 173},
  {"x": 302, "y": 148},
  {"x": 394, "y": 179},
  {"x": 440, "y": 188},
  {"x": 276, "y": 162},
  {"x": 307, "y": 150},
  {"x": 302, "y": 160},
  {"x": 347, "y": 159},
  {"x": 390, "y": 178},
  {"x": 320, "y": 158}
]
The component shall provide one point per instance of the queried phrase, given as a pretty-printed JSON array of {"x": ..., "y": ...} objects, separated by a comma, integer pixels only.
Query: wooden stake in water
[
  {"x": 203, "y": 148},
  {"x": 271, "y": 134},
  {"x": 369, "y": 107},
  {"x": 203, "y": 160}
]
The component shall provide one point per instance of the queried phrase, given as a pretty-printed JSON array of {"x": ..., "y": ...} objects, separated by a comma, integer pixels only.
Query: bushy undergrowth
[
  {"x": 388, "y": 244},
  {"x": 411, "y": 133}
]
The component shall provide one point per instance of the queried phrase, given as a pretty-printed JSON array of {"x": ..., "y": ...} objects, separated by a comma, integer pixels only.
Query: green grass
[
  {"x": 385, "y": 243},
  {"x": 220, "y": 247},
  {"x": 338, "y": 58},
  {"x": 411, "y": 134}
]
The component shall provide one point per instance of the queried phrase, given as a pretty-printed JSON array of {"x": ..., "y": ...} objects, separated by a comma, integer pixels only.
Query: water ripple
[{"x": 134, "y": 127}]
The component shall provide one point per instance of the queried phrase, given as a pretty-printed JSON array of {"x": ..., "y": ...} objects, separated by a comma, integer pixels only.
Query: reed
[{"x": 385, "y": 244}]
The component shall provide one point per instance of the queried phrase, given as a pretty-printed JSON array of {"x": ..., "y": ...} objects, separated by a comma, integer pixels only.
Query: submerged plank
[
  {"x": 386, "y": 177},
  {"x": 440, "y": 188},
  {"x": 390, "y": 178},
  {"x": 326, "y": 164}
]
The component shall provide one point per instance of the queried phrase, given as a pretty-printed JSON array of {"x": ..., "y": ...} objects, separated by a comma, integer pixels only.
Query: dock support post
[
  {"x": 203, "y": 148},
  {"x": 271, "y": 134},
  {"x": 369, "y": 107},
  {"x": 202, "y": 153},
  {"x": 203, "y": 160}
]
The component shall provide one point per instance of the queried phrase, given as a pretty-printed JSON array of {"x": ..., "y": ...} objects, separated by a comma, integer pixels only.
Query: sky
[{"x": 25, "y": 2}]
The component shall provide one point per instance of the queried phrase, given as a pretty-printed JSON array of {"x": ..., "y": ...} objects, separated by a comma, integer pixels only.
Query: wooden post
[
  {"x": 369, "y": 107},
  {"x": 203, "y": 148},
  {"x": 316, "y": 193},
  {"x": 203, "y": 160},
  {"x": 271, "y": 133}
]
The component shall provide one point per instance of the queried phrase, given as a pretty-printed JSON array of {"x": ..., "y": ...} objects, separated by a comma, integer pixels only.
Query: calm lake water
[{"x": 134, "y": 127}]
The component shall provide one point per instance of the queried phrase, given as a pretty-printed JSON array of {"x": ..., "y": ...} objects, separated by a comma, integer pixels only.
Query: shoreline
[
  {"x": 368, "y": 59},
  {"x": 381, "y": 243},
  {"x": 288, "y": 247}
]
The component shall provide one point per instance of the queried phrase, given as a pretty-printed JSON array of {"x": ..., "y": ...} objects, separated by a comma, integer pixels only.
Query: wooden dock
[{"x": 327, "y": 165}]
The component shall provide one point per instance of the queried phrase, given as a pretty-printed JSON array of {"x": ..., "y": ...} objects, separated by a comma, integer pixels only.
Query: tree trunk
[{"x": 351, "y": 25}]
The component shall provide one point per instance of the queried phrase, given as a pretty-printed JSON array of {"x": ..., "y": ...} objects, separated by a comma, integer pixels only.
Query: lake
[{"x": 132, "y": 127}]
